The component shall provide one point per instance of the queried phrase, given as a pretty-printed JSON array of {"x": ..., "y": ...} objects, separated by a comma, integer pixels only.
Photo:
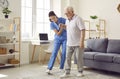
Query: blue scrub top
[{"x": 53, "y": 26}]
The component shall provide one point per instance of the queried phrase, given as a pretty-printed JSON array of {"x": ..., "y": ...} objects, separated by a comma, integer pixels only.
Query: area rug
[{"x": 89, "y": 74}]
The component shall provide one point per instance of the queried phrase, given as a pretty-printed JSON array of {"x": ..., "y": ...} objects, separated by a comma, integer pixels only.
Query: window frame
[{"x": 34, "y": 22}]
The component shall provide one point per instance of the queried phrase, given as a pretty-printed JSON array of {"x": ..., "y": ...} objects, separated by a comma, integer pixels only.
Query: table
[{"x": 38, "y": 43}]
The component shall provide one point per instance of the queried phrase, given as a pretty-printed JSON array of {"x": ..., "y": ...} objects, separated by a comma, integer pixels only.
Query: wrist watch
[{"x": 4, "y": 3}]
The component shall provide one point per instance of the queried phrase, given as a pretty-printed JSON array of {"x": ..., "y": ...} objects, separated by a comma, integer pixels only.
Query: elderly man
[{"x": 75, "y": 41}]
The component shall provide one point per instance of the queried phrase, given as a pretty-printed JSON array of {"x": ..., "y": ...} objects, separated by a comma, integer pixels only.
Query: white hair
[{"x": 69, "y": 8}]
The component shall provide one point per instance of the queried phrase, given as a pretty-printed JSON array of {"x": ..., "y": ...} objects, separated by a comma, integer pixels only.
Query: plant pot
[{"x": 6, "y": 16}]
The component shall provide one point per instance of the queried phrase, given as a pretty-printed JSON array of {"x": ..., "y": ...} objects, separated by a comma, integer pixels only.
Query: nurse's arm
[{"x": 58, "y": 32}]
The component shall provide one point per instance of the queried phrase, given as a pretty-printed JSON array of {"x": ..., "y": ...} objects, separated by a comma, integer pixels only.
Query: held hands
[{"x": 62, "y": 26}]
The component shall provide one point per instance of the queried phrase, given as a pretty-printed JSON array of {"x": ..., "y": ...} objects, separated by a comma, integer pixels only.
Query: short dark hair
[{"x": 51, "y": 13}]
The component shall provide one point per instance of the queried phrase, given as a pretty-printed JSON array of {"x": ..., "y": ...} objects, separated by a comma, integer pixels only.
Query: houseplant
[
  {"x": 93, "y": 17},
  {"x": 95, "y": 22},
  {"x": 6, "y": 11}
]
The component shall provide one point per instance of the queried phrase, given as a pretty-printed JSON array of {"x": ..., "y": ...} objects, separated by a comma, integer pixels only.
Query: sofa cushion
[
  {"x": 89, "y": 55},
  {"x": 116, "y": 59},
  {"x": 106, "y": 57},
  {"x": 113, "y": 46},
  {"x": 87, "y": 50},
  {"x": 97, "y": 45}
]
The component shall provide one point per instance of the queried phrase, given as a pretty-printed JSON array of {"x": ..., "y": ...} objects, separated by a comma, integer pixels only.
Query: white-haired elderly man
[{"x": 75, "y": 41}]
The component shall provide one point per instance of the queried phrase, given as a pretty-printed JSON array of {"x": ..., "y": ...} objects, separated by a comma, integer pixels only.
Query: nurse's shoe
[
  {"x": 61, "y": 70},
  {"x": 48, "y": 71}
]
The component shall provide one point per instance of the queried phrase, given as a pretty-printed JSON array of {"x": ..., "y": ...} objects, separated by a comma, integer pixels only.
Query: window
[{"x": 35, "y": 18}]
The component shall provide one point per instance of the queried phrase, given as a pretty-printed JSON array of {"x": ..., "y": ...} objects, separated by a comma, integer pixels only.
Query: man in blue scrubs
[{"x": 58, "y": 26}]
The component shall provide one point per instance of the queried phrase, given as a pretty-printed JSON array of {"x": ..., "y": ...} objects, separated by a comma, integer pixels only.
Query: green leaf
[
  {"x": 6, "y": 11},
  {"x": 93, "y": 17}
]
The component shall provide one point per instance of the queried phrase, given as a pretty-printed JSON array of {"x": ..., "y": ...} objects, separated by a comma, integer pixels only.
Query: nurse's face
[{"x": 53, "y": 18}]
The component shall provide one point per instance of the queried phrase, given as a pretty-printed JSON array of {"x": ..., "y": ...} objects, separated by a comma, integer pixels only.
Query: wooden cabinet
[
  {"x": 10, "y": 42},
  {"x": 95, "y": 29}
]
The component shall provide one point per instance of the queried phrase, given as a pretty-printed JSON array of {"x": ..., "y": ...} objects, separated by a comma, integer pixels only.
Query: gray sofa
[{"x": 103, "y": 54}]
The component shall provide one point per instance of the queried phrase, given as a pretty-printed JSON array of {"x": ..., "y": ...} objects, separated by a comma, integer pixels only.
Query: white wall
[
  {"x": 104, "y": 9},
  {"x": 15, "y": 7},
  {"x": 73, "y": 3},
  {"x": 24, "y": 54},
  {"x": 56, "y": 7},
  {"x": 59, "y": 5}
]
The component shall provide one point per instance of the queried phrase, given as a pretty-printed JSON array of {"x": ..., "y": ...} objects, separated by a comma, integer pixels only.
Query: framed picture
[
  {"x": 4, "y": 3},
  {"x": 118, "y": 8}
]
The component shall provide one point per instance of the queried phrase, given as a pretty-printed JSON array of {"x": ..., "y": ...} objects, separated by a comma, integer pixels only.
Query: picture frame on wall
[{"x": 118, "y": 8}]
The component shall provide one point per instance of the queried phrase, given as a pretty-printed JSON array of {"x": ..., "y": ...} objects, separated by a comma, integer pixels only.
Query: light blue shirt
[{"x": 54, "y": 26}]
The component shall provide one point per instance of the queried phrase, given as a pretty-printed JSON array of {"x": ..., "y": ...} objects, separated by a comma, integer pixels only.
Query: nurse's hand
[{"x": 62, "y": 26}]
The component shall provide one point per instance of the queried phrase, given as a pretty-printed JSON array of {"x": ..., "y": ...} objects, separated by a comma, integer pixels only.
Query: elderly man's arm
[{"x": 82, "y": 38}]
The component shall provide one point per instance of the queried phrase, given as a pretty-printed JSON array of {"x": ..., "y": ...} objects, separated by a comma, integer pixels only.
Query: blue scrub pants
[{"x": 57, "y": 44}]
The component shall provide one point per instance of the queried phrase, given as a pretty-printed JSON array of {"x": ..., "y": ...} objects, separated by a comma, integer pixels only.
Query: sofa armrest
[{"x": 87, "y": 50}]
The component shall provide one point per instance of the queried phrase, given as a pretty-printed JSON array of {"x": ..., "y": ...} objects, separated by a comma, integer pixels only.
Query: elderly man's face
[{"x": 69, "y": 14}]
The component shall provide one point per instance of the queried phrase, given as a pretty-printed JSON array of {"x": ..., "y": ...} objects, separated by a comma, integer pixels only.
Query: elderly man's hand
[
  {"x": 62, "y": 26},
  {"x": 82, "y": 45}
]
